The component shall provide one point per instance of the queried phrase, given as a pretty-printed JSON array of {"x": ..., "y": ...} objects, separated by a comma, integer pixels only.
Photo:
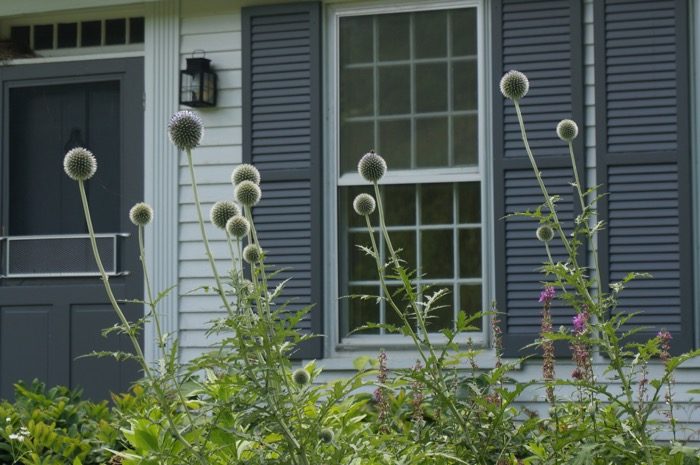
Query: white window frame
[{"x": 483, "y": 173}]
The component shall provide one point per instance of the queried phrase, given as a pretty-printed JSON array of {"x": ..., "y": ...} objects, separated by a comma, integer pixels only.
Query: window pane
[
  {"x": 470, "y": 253},
  {"x": 91, "y": 33},
  {"x": 67, "y": 35},
  {"x": 469, "y": 201},
  {"x": 43, "y": 36},
  {"x": 430, "y": 34},
  {"x": 406, "y": 242},
  {"x": 465, "y": 131},
  {"x": 399, "y": 203},
  {"x": 437, "y": 254},
  {"x": 361, "y": 267},
  {"x": 356, "y": 92},
  {"x": 436, "y": 203},
  {"x": 393, "y": 37},
  {"x": 431, "y": 142},
  {"x": 356, "y": 139},
  {"x": 356, "y": 39},
  {"x": 362, "y": 311},
  {"x": 394, "y": 90},
  {"x": 115, "y": 31},
  {"x": 464, "y": 32},
  {"x": 395, "y": 143},
  {"x": 136, "y": 30},
  {"x": 431, "y": 87},
  {"x": 464, "y": 84},
  {"x": 470, "y": 301}
]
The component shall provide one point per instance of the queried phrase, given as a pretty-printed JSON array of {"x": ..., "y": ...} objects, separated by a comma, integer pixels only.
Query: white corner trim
[
  {"x": 694, "y": 19},
  {"x": 161, "y": 74}
]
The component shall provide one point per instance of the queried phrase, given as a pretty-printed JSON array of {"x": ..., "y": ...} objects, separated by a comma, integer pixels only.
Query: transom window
[{"x": 408, "y": 88}]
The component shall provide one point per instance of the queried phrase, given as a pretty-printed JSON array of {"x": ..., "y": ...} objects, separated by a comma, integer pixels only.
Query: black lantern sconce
[{"x": 198, "y": 83}]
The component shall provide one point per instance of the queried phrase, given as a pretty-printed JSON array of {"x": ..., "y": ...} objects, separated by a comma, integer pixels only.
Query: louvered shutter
[
  {"x": 643, "y": 159},
  {"x": 543, "y": 40},
  {"x": 282, "y": 137}
]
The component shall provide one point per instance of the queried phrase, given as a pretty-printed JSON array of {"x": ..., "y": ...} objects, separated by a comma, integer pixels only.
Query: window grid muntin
[
  {"x": 453, "y": 284},
  {"x": 413, "y": 116}
]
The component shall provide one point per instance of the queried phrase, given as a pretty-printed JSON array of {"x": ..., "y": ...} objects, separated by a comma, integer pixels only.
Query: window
[{"x": 407, "y": 86}]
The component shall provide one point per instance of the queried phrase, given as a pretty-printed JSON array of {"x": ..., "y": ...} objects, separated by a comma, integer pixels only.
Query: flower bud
[
  {"x": 245, "y": 172},
  {"x": 567, "y": 130},
  {"x": 371, "y": 167},
  {"x": 364, "y": 204},
  {"x": 141, "y": 214},
  {"x": 326, "y": 435},
  {"x": 185, "y": 129},
  {"x": 222, "y": 211},
  {"x": 545, "y": 233},
  {"x": 237, "y": 226},
  {"x": 252, "y": 254},
  {"x": 514, "y": 85},
  {"x": 301, "y": 377},
  {"x": 79, "y": 164},
  {"x": 247, "y": 193}
]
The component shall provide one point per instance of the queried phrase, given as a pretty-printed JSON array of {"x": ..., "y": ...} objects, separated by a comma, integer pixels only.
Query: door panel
[{"x": 47, "y": 323}]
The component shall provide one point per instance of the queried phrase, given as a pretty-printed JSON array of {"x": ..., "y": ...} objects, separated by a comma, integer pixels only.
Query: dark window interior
[
  {"x": 91, "y": 33},
  {"x": 21, "y": 35},
  {"x": 46, "y": 122},
  {"x": 136, "y": 30},
  {"x": 43, "y": 36},
  {"x": 115, "y": 31},
  {"x": 67, "y": 35}
]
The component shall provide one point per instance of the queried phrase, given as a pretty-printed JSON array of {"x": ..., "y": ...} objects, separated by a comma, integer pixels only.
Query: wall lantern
[{"x": 198, "y": 83}]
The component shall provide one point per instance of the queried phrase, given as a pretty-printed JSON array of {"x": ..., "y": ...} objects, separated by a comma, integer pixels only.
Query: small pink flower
[{"x": 547, "y": 295}]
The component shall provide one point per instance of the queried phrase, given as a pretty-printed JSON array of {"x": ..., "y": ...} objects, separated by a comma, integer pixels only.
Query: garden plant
[{"x": 246, "y": 402}]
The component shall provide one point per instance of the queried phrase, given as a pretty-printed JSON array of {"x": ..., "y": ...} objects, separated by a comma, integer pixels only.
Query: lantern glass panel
[
  {"x": 209, "y": 89},
  {"x": 189, "y": 91}
]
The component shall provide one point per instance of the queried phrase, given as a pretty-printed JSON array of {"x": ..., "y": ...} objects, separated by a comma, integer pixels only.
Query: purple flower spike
[
  {"x": 580, "y": 321},
  {"x": 547, "y": 295}
]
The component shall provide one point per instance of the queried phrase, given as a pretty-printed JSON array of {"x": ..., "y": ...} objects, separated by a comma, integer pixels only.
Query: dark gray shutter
[
  {"x": 543, "y": 40},
  {"x": 643, "y": 159},
  {"x": 282, "y": 137}
]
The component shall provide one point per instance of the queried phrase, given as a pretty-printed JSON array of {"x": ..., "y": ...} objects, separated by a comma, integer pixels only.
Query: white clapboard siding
[{"x": 215, "y": 27}]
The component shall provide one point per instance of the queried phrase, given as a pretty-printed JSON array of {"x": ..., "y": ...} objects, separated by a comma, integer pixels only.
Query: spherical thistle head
[
  {"x": 237, "y": 226},
  {"x": 567, "y": 130},
  {"x": 245, "y": 172},
  {"x": 252, "y": 254},
  {"x": 371, "y": 167},
  {"x": 301, "y": 377},
  {"x": 141, "y": 214},
  {"x": 80, "y": 164},
  {"x": 222, "y": 211},
  {"x": 545, "y": 233},
  {"x": 364, "y": 204},
  {"x": 247, "y": 193},
  {"x": 514, "y": 85},
  {"x": 326, "y": 435},
  {"x": 185, "y": 129}
]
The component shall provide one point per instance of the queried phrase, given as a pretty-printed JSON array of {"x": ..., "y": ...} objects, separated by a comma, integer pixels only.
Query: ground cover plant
[{"x": 246, "y": 402}]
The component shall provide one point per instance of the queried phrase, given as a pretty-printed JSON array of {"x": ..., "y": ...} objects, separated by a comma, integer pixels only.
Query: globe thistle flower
[
  {"x": 364, "y": 204},
  {"x": 245, "y": 172},
  {"x": 141, "y": 214},
  {"x": 80, "y": 164},
  {"x": 514, "y": 85},
  {"x": 326, "y": 435},
  {"x": 247, "y": 193},
  {"x": 222, "y": 211},
  {"x": 185, "y": 129},
  {"x": 237, "y": 226},
  {"x": 567, "y": 130},
  {"x": 301, "y": 377},
  {"x": 252, "y": 253},
  {"x": 371, "y": 166},
  {"x": 545, "y": 233}
]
